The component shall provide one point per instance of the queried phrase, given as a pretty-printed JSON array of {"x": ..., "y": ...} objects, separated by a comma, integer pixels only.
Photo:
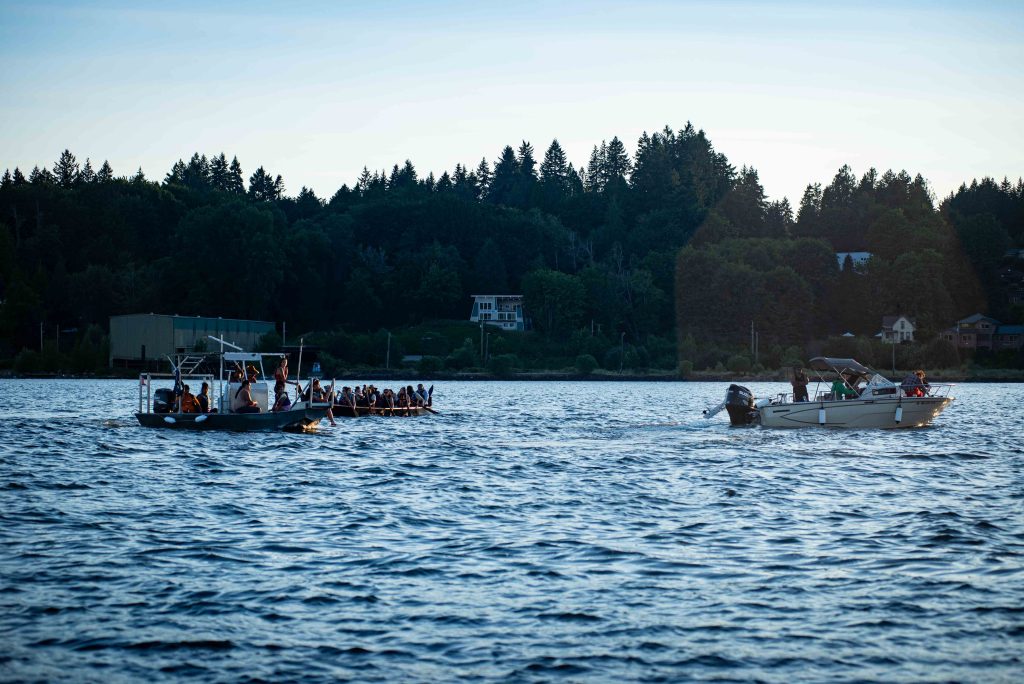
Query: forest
[{"x": 662, "y": 257}]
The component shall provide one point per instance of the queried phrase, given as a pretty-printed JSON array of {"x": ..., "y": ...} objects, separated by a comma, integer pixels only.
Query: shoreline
[{"x": 993, "y": 375}]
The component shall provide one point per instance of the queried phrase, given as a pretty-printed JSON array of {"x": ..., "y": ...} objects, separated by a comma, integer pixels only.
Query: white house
[
  {"x": 503, "y": 311},
  {"x": 897, "y": 329}
]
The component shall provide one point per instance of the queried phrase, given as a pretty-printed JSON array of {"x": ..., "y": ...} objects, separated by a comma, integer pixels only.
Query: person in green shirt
[{"x": 840, "y": 390}]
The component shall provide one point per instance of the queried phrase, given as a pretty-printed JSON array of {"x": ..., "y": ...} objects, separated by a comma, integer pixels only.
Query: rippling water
[{"x": 532, "y": 532}]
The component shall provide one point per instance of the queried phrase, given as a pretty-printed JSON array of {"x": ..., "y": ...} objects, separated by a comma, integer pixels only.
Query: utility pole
[
  {"x": 622, "y": 350},
  {"x": 40, "y": 337},
  {"x": 481, "y": 341},
  {"x": 387, "y": 357}
]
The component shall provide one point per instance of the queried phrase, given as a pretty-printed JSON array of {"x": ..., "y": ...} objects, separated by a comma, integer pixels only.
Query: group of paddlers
[{"x": 372, "y": 400}]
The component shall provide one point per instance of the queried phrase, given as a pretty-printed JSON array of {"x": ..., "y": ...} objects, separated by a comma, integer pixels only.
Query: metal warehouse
[{"x": 141, "y": 339}]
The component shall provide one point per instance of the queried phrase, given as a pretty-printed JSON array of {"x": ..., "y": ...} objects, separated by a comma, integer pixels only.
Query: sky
[{"x": 317, "y": 91}]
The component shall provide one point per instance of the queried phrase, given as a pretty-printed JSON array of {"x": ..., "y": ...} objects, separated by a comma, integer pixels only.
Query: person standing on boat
[
  {"x": 281, "y": 376},
  {"x": 799, "y": 383}
]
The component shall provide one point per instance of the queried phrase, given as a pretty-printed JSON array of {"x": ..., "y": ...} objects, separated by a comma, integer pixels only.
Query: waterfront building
[{"x": 141, "y": 340}]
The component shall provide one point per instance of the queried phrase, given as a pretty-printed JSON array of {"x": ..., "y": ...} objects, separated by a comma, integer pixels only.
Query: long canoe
[{"x": 346, "y": 411}]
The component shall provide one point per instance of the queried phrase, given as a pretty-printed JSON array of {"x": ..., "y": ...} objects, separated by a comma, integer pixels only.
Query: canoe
[{"x": 345, "y": 411}]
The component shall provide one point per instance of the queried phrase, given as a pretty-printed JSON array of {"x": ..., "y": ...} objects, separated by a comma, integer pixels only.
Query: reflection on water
[{"x": 532, "y": 531}]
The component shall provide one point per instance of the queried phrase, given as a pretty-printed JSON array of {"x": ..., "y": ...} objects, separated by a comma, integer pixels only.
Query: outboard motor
[
  {"x": 163, "y": 400},
  {"x": 739, "y": 402}
]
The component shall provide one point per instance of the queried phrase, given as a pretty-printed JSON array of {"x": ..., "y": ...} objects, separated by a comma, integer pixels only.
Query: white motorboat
[{"x": 873, "y": 401}]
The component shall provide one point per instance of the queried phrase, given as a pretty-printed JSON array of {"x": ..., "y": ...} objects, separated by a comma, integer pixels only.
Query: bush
[
  {"x": 430, "y": 364},
  {"x": 738, "y": 363},
  {"x": 585, "y": 364},
  {"x": 685, "y": 368},
  {"x": 502, "y": 364}
]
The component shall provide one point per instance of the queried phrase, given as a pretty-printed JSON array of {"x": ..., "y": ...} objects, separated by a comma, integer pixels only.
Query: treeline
[{"x": 595, "y": 249}]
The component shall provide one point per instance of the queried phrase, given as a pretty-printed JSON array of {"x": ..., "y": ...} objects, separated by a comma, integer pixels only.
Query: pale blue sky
[{"x": 315, "y": 91}]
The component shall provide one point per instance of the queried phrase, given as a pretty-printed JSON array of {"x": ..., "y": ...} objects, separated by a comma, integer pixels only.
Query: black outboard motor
[
  {"x": 163, "y": 400},
  {"x": 739, "y": 402}
]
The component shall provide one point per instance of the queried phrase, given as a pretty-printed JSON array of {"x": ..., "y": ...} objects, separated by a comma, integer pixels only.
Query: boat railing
[{"x": 146, "y": 382}]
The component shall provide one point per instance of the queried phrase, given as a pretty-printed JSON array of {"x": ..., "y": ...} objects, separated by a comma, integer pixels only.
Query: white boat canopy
[{"x": 824, "y": 363}]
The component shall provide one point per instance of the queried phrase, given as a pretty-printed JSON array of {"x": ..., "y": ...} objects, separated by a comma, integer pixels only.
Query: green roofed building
[{"x": 142, "y": 340}]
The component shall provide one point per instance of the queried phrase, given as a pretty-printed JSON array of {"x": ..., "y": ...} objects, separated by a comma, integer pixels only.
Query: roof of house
[
  {"x": 889, "y": 321},
  {"x": 976, "y": 318}
]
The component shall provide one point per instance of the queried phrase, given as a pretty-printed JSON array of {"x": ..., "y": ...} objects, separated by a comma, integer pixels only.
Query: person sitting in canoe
[
  {"x": 318, "y": 395},
  {"x": 242, "y": 401}
]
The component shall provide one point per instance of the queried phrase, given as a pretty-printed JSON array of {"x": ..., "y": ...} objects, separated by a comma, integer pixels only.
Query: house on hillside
[
  {"x": 984, "y": 332},
  {"x": 897, "y": 329},
  {"x": 503, "y": 311}
]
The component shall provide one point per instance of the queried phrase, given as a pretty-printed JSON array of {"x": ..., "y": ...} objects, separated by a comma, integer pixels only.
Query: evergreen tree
[
  {"x": 483, "y": 179},
  {"x": 88, "y": 175},
  {"x": 219, "y": 172},
  {"x": 235, "y": 181},
  {"x": 595, "y": 169},
  {"x": 505, "y": 180},
  {"x": 139, "y": 176},
  {"x": 363, "y": 184},
  {"x": 444, "y": 183},
  {"x": 429, "y": 183},
  {"x": 66, "y": 170},
  {"x": 176, "y": 176},
  {"x": 41, "y": 177},
  {"x": 19, "y": 177},
  {"x": 6, "y": 181},
  {"x": 464, "y": 183},
  {"x": 554, "y": 173},
  {"x": 810, "y": 209},
  {"x": 105, "y": 174},
  {"x": 616, "y": 163},
  {"x": 261, "y": 185}
]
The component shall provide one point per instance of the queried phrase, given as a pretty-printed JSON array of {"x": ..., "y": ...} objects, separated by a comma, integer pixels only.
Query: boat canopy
[{"x": 824, "y": 363}]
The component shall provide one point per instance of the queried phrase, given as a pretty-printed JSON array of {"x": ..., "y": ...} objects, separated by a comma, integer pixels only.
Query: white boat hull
[{"x": 856, "y": 413}]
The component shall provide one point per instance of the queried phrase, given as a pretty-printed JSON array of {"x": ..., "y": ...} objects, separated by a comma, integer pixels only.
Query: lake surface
[{"x": 532, "y": 532}]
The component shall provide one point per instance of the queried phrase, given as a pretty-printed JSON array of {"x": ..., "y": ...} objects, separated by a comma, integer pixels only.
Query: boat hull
[
  {"x": 297, "y": 420},
  {"x": 856, "y": 413}
]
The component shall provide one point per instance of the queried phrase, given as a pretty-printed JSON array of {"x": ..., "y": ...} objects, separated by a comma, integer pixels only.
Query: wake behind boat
[{"x": 849, "y": 395}]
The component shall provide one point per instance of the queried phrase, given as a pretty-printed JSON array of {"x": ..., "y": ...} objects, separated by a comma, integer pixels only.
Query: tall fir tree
[
  {"x": 236, "y": 181},
  {"x": 105, "y": 174},
  {"x": 505, "y": 179},
  {"x": 66, "y": 170},
  {"x": 483, "y": 179},
  {"x": 219, "y": 172},
  {"x": 19, "y": 177},
  {"x": 88, "y": 175},
  {"x": 554, "y": 172}
]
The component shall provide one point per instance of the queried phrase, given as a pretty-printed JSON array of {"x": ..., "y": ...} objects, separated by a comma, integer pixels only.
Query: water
[{"x": 532, "y": 532}]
